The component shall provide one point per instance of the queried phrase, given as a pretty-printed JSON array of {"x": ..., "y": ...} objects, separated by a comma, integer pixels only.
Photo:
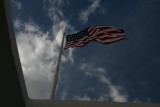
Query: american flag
[{"x": 102, "y": 34}]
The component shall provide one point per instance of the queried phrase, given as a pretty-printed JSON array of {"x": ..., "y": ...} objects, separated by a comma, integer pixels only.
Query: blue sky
[{"x": 125, "y": 71}]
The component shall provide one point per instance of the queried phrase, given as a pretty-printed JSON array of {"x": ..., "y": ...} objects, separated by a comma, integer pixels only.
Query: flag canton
[{"x": 77, "y": 36}]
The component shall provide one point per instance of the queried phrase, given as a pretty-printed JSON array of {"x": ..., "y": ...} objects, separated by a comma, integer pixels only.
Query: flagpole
[{"x": 57, "y": 70}]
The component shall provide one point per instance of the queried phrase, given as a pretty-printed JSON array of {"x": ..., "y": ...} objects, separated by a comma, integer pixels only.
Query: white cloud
[
  {"x": 70, "y": 55},
  {"x": 63, "y": 95},
  {"x": 39, "y": 50},
  {"x": 36, "y": 55},
  {"x": 84, "y": 15},
  {"x": 54, "y": 9},
  {"x": 17, "y": 4},
  {"x": 142, "y": 99},
  {"x": 136, "y": 100},
  {"x": 115, "y": 93},
  {"x": 60, "y": 24},
  {"x": 83, "y": 98},
  {"x": 90, "y": 71}
]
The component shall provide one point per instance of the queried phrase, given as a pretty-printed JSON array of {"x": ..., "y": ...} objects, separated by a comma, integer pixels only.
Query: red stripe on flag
[{"x": 102, "y": 34}]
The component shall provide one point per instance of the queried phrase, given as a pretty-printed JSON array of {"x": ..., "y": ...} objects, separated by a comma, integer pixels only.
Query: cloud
[
  {"x": 38, "y": 49},
  {"x": 17, "y": 4},
  {"x": 137, "y": 100},
  {"x": 84, "y": 15},
  {"x": 113, "y": 92},
  {"x": 63, "y": 95},
  {"x": 142, "y": 100},
  {"x": 84, "y": 98},
  {"x": 37, "y": 55},
  {"x": 60, "y": 23}
]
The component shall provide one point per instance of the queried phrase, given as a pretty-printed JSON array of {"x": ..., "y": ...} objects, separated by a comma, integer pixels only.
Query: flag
[{"x": 102, "y": 34}]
